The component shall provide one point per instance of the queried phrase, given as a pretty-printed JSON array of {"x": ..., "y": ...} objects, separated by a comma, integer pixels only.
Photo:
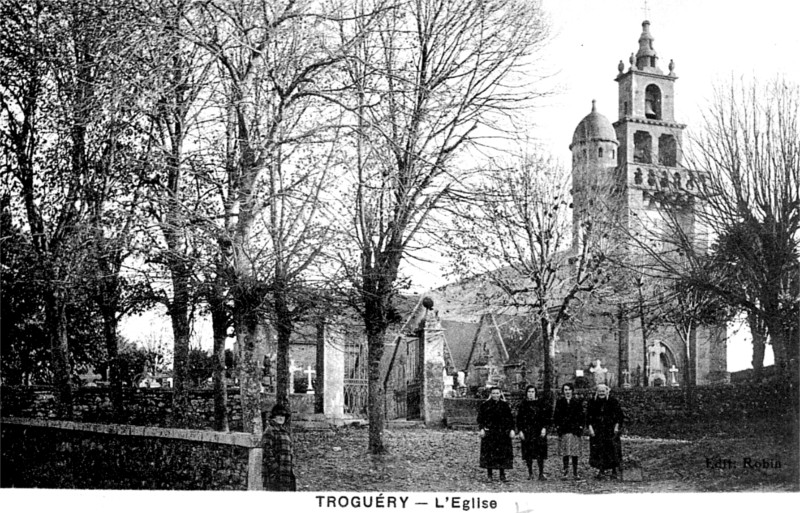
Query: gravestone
[{"x": 599, "y": 373}]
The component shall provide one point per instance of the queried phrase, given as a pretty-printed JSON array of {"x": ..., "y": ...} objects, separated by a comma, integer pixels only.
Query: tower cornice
[
  {"x": 661, "y": 76},
  {"x": 646, "y": 121}
]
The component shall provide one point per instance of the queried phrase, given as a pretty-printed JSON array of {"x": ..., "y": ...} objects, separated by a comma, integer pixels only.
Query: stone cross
[
  {"x": 672, "y": 372},
  {"x": 626, "y": 378},
  {"x": 599, "y": 373},
  {"x": 292, "y": 369},
  {"x": 309, "y": 372}
]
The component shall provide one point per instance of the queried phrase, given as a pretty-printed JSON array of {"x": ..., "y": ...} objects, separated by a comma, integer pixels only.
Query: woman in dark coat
[
  {"x": 605, "y": 418},
  {"x": 278, "y": 460},
  {"x": 568, "y": 422},
  {"x": 496, "y": 425},
  {"x": 533, "y": 418}
]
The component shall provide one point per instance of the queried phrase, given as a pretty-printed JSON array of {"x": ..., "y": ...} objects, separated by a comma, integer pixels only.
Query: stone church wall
[{"x": 664, "y": 412}]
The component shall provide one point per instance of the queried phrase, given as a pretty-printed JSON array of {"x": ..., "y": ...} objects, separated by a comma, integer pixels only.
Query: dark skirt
[
  {"x": 496, "y": 450},
  {"x": 534, "y": 447},
  {"x": 605, "y": 452}
]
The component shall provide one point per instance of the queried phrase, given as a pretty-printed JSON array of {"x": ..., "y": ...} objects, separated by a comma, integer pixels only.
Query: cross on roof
[{"x": 646, "y": 11}]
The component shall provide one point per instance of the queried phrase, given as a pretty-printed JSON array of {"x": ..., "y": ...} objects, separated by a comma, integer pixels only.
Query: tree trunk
[
  {"x": 59, "y": 351},
  {"x": 110, "y": 324},
  {"x": 250, "y": 333},
  {"x": 644, "y": 349},
  {"x": 375, "y": 393},
  {"x": 549, "y": 349},
  {"x": 179, "y": 314},
  {"x": 622, "y": 342},
  {"x": 319, "y": 387},
  {"x": 284, "y": 334},
  {"x": 757, "y": 330},
  {"x": 219, "y": 323}
]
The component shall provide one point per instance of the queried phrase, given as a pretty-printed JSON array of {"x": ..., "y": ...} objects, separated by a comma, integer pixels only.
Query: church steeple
[{"x": 646, "y": 57}]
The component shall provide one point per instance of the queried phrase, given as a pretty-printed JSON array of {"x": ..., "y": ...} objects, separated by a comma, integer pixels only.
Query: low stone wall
[
  {"x": 143, "y": 406},
  {"x": 37, "y": 453},
  {"x": 662, "y": 411}
]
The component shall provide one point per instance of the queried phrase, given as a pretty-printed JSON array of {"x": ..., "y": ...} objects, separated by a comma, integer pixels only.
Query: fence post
[{"x": 254, "y": 468}]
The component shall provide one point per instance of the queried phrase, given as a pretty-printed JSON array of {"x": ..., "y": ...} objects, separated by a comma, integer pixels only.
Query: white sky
[{"x": 711, "y": 41}]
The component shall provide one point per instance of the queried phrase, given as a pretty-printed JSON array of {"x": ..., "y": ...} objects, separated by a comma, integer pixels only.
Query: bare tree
[
  {"x": 747, "y": 195},
  {"x": 61, "y": 108},
  {"x": 519, "y": 242},
  {"x": 424, "y": 83}
]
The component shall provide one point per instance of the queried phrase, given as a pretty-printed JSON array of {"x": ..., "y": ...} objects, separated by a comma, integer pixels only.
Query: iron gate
[{"x": 356, "y": 384}]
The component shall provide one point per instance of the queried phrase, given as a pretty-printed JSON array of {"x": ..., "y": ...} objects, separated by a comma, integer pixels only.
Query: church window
[
  {"x": 667, "y": 150},
  {"x": 652, "y": 102},
  {"x": 642, "y": 143},
  {"x": 600, "y": 152}
]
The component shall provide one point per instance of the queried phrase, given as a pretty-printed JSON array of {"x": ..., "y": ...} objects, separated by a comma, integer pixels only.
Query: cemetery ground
[{"x": 679, "y": 459}]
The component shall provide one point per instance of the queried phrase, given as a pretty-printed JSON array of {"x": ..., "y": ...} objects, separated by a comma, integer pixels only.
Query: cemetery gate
[
  {"x": 414, "y": 369},
  {"x": 356, "y": 384}
]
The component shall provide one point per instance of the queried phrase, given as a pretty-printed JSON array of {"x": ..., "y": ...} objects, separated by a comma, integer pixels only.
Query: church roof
[
  {"x": 594, "y": 127},
  {"x": 459, "y": 337}
]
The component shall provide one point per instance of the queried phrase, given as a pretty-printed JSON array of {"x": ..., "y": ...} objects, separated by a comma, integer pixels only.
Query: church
[
  {"x": 641, "y": 154},
  {"x": 450, "y": 344}
]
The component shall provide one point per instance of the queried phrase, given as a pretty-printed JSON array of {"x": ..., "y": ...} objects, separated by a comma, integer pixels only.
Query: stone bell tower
[{"x": 649, "y": 137}]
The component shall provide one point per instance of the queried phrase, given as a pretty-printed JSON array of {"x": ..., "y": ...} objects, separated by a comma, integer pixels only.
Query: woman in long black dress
[
  {"x": 605, "y": 418},
  {"x": 533, "y": 418},
  {"x": 568, "y": 422},
  {"x": 496, "y": 425}
]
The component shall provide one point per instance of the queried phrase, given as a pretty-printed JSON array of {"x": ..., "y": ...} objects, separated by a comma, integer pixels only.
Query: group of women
[{"x": 602, "y": 421}]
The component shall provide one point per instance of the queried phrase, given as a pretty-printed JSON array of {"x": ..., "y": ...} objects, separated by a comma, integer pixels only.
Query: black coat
[
  {"x": 605, "y": 448},
  {"x": 568, "y": 417},
  {"x": 532, "y": 417},
  {"x": 495, "y": 418}
]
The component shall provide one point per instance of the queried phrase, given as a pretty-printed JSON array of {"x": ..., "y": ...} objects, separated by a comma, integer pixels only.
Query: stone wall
[
  {"x": 143, "y": 406},
  {"x": 59, "y": 454},
  {"x": 666, "y": 411}
]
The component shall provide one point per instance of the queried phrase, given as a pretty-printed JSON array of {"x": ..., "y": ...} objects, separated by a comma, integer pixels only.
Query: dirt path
[{"x": 424, "y": 460}]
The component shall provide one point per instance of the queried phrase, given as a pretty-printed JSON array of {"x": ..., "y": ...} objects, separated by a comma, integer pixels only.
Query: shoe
[
  {"x": 565, "y": 474},
  {"x": 614, "y": 476},
  {"x": 576, "y": 477},
  {"x": 530, "y": 477},
  {"x": 542, "y": 478}
]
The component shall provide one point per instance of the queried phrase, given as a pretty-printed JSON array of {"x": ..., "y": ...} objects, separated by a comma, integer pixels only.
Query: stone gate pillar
[
  {"x": 333, "y": 376},
  {"x": 433, "y": 367}
]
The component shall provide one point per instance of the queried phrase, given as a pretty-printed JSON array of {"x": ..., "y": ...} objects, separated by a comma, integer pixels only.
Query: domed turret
[{"x": 594, "y": 127}]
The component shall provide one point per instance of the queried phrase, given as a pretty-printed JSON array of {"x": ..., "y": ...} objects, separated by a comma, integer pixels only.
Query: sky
[{"x": 710, "y": 41}]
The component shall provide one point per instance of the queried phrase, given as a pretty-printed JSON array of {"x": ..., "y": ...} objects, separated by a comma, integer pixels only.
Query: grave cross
[
  {"x": 673, "y": 371},
  {"x": 309, "y": 372}
]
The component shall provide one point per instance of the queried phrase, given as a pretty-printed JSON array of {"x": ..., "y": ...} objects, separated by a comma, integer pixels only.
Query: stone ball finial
[
  {"x": 427, "y": 302},
  {"x": 620, "y": 66},
  {"x": 632, "y": 60},
  {"x": 671, "y": 67}
]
